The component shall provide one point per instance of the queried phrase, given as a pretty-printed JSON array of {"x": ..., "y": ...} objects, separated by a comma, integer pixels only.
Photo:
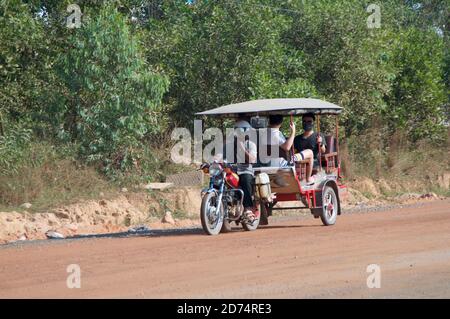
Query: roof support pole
[
  {"x": 337, "y": 146},
  {"x": 318, "y": 144}
]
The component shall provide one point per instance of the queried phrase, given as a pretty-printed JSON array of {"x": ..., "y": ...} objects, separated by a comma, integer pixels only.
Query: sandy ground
[{"x": 295, "y": 258}]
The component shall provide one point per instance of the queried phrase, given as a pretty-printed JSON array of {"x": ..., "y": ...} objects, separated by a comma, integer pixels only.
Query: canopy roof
[{"x": 275, "y": 106}]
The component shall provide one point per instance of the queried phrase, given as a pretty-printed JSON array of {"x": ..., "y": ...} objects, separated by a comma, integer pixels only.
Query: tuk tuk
[{"x": 222, "y": 203}]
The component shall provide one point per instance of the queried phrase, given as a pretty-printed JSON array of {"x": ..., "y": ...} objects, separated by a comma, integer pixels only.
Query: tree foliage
[
  {"x": 111, "y": 96},
  {"x": 137, "y": 68}
]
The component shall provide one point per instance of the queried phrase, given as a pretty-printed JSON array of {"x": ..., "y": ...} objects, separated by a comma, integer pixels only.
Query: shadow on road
[
  {"x": 176, "y": 232},
  {"x": 146, "y": 233},
  {"x": 286, "y": 226},
  {"x": 126, "y": 234}
]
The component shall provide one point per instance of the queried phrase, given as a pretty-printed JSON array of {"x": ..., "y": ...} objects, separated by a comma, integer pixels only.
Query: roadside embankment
[{"x": 172, "y": 208}]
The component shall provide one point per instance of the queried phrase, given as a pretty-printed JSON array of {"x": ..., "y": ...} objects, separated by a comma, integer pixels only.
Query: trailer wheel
[{"x": 330, "y": 206}]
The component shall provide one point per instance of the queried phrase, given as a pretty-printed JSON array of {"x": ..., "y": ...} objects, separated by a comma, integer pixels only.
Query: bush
[
  {"x": 13, "y": 147},
  {"x": 112, "y": 96}
]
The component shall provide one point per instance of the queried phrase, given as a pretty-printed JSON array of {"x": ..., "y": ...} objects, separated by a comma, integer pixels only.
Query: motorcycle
[{"x": 222, "y": 201}]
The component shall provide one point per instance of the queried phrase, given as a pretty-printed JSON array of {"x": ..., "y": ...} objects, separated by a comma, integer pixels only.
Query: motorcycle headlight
[{"x": 215, "y": 169}]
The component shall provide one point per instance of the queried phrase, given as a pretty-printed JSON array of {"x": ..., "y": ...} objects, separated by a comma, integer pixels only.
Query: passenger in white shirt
[{"x": 276, "y": 137}]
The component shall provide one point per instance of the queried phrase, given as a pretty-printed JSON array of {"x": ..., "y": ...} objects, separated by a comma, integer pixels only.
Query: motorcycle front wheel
[{"x": 212, "y": 219}]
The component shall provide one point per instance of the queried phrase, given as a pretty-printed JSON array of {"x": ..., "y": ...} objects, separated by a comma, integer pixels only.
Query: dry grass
[
  {"x": 49, "y": 179},
  {"x": 53, "y": 177},
  {"x": 410, "y": 168}
]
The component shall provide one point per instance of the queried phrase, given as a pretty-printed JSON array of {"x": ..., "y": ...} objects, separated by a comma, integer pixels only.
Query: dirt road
[{"x": 292, "y": 259}]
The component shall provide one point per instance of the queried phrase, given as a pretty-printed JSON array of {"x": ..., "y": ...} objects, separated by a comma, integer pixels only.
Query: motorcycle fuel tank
[{"x": 232, "y": 179}]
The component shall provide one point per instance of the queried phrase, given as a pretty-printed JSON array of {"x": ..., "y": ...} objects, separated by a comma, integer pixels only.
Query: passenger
[
  {"x": 276, "y": 137},
  {"x": 310, "y": 140}
]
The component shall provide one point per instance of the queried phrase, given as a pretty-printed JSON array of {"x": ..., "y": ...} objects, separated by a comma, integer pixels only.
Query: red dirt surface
[{"x": 288, "y": 259}]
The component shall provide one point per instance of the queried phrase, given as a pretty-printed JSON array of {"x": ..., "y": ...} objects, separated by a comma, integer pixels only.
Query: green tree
[
  {"x": 112, "y": 97},
  {"x": 418, "y": 96},
  {"x": 22, "y": 43},
  {"x": 222, "y": 52},
  {"x": 348, "y": 61}
]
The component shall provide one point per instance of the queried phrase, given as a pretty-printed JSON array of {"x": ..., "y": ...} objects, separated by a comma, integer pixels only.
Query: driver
[{"x": 245, "y": 154}]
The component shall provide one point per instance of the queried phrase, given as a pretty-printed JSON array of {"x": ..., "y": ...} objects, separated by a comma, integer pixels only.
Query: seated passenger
[
  {"x": 276, "y": 137},
  {"x": 310, "y": 140}
]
